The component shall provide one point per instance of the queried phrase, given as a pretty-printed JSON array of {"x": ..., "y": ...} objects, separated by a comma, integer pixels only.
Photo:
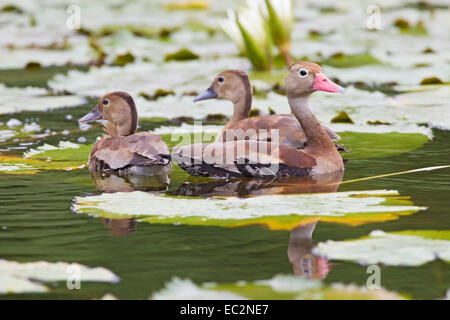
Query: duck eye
[
  {"x": 105, "y": 102},
  {"x": 221, "y": 79},
  {"x": 303, "y": 72}
]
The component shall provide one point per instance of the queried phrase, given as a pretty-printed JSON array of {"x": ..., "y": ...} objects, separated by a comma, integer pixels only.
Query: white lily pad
[
  {"x": 275, "y": 211},
  {"x": 407, "y": 248},
  {"x": 17, "y": 276},
  {"x": 47, "y": 147},
  {"x": 184, "y": 289},
  {"x": 33, "y": 99},
  {"x": 286, "y": 287},
  {"x": 135, "y": 78},
  {"x": 11, "y": 284},
  {"x": 7, "y": 134}
]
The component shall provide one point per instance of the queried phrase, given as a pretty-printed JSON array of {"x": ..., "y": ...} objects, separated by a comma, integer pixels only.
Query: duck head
[
  {"x": 232, "y": 85},
  {"x": 305, "y": 78},
  {"x": 117, "y": 112}
]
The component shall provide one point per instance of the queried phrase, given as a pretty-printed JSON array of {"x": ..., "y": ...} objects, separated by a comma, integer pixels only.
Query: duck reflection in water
[
  {"x": 109, "y": 182},
  {"x": 120, "y": 227},
  {"x": 157, "y": 179},
  {"x": 299, "y": 251},
  {"x": 245, "y": 187}
]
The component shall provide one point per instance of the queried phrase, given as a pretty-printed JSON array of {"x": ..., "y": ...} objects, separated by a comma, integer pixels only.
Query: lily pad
[
  {"x": 33, "y": 99},
  {"x": 341, "y": 60},
  {"x": 285, "y": 287},
  {"x": 181, "y": 55},
  {"x": 275, "y": 211},
  {"x": 66, "y": 156},
  {"x": 17, "y": 277},
  {"x": 342, "y": 117},
  {"x": 404, "y": 248}
]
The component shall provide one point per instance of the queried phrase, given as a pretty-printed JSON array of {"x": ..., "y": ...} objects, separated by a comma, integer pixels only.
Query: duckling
[
  {"x": 253, "y": 158},
  {"x": 123, "y": 150},
  {"x": 234, "y": 85}
]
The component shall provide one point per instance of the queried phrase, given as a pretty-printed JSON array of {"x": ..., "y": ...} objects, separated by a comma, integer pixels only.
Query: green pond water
[{"x": 38, "y": 224}]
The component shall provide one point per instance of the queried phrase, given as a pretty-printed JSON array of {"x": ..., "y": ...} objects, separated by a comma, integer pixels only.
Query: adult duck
[
  {"x": 123, "y": 150},
  {"x": 262, "y": 158},
  {"x": 234, "y": 85}
]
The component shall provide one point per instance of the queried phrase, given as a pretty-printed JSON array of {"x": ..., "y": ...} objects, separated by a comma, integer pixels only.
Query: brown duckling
[
  {"x": 124, "y": 150},
  {"x": 234, "y": 85},
  {"x": 263, "y": 158}
]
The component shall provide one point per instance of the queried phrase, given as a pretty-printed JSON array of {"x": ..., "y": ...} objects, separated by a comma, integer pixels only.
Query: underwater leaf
[
  {"x": 275, "y": 211},
  {"x": 404, "y": 248},
  {"x": 285, "y": 287}
]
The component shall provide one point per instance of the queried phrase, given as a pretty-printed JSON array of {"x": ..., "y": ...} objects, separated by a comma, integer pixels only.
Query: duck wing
[
  {"x": 246, "y": 158},
  {"x": 140, "y": 149},
  {"x": 290, "y": 131}
]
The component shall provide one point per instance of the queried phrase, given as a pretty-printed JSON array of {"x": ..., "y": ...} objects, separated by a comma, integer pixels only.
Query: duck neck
[
  {"x": 316, "y": 136},
  {"x": 126, "y": 128},
  {"x": 241, "y": 110},
  {"x": 242, "y": 101}
]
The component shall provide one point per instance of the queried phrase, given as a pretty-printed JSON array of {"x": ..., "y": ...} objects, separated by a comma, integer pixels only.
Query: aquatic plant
[
  {"x": 257, "y": 27},
  {"x": 281, "y": 21}
]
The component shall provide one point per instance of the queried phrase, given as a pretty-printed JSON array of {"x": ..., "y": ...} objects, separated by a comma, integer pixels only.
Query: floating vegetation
[
  {"x": 276, "y": 211},
  {"x": 341, "y": 60},
  {"x": 35, "y": 99},
  {"x": 123, "y": 59},
  {"x": 33, "y": 66},
  {"x": 66, "y": 156},
  {"x": 285, "y": 287},
  {"x": 342, "y": 117},
  {"x": 17, "y": 277},
  {"x": 163, "y": 54},
  {"x": 403, "y": 248},
  {"x": 187, "y": 5},
  {"x": 181, "y": 55},
  {"x": 404, "y": 26},
  {"x": 431, "y": 80}
]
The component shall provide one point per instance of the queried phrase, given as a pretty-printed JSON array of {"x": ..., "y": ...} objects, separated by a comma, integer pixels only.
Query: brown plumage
[
  {"x": 122, "y": 149},
  {"x": 234, "y": 85},
  {"x": 264, "y": 158}
]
